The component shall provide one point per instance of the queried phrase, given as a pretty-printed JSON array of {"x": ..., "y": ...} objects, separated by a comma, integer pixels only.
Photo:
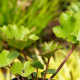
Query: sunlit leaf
[
  {"x": 70, "y": 27},
  {"x": 6, "y": 57},
  {"x": 24, "y": 69},
  {"x": 19, "y": 37},
  {"x": 16, "y": 68},
  {"x": 49, "y": 49}
]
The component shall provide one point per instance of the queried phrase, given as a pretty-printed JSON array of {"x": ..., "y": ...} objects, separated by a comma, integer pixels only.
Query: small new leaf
[
  {"x": 6, "y": 57},
  {"x": 19, "y": 37},
  {"x": 37, "y": 64},
  {"x": 49, "y": 49}
]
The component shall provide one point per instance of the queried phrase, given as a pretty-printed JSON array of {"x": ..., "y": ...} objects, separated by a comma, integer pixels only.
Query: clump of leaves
[
  {"x": 49, "y": 49},
  {"x": 19, "y": 37},
  {"x": 70, "y": 31},
  {"x": 6, "y": 57}
]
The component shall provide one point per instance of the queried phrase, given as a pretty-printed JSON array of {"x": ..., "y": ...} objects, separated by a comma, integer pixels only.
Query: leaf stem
[
  {"x": 70, "y": 52},
  {"x": 37, "y": 73},
  {"x": 22, "y": 78},
  {"x": 46, "y": 69},
  {"x": 24, "y": 55},
  {"x": 17, "y": 77}
]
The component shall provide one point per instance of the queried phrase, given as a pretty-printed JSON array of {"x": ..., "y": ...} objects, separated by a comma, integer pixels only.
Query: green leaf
[
  {"x": 19, "y": 37},
  {"x": 33, "y": 37},
  {"x": 29, "y": 77},
  {"x": 34, "y": 75},
  {"x": 70, "y": 27},
  {"x": 49, "y": 49},
  {"x": 24, "y": 69},
  {"x": 28, "y": 69},
  {"x": 50, "y": 46},
  {"x": 49, "y": 71},
  {"x": 16, "y": 68},
  {"x": 6, "y": 58},
  {"x": 37, "y": 64}
]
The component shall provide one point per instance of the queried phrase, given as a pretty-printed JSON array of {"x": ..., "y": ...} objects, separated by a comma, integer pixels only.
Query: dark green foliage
[
  {"x": 37, "y": 64},
  {"x": 49, "y": 71}
]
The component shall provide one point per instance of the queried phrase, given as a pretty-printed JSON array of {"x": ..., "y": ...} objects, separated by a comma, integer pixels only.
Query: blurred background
[{"x": 41, "y": 16}]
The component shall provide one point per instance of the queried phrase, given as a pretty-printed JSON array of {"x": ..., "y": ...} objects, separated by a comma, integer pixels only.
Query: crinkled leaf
[
  {"x": 26, "y": 68},
  {"x": 49, "y": 49},
  {"x": 19, "y": 37},
  {"x": 70, "y": 27},
  {"x": 50, "y": 46},
  {"x": 6, "y": 57},
  {"x": 37, "y": 64},
  {"x": 49, "y": 71}
]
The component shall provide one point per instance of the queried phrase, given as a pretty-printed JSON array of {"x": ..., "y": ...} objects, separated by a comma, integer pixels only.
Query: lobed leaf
[
  {"x": 49, "y": 49},
  {"x": 70, "y": 27},
  {"x": 19, "y": 37},
  {"x": 6, "y": 57},
  {"x": 24, "y": 69}
]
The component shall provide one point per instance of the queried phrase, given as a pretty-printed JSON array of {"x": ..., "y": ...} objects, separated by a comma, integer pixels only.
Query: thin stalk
[
  {"x": 70, "y": 52},
  {"x": 46, "y": 69},
  {"x": 22, "y": 78},
  {"x": 17, "y": 77},
  {"x": 26, "y": 79},
  {"x": 37, "y": 73},
  {"x": 24, "y": 55}
]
